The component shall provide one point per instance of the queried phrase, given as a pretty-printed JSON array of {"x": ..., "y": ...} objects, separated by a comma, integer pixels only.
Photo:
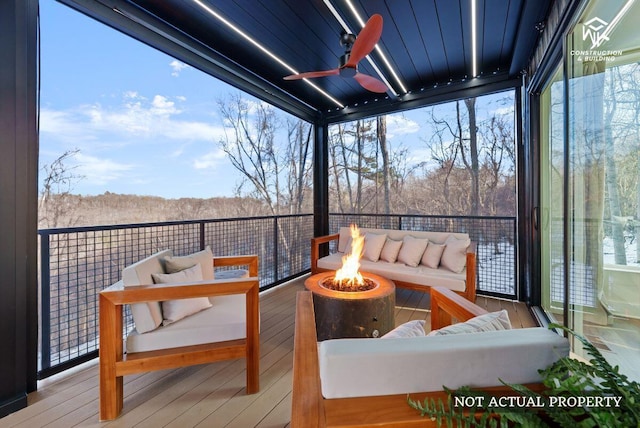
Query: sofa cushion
[
  {"x": 174, "y": 310},
  {"x": 397, "y": 235},
  {"x": 492, "y": 321},
  {"x": 352, "y": 367},
  {"x": 412, "y": 250},
  {"x": 146, "y": 316},
  {"x": 373, "y": 244},
  {"x": 390, "y": 250},
  {"x": 454, "y": 256},
  {"x": 204, "y": 258},
  {"x": 420, "y": 275},
  {"x": 432, "y": 255},
  {"x": 225, "y": 320},
  {"x": 409, "y": 329}
]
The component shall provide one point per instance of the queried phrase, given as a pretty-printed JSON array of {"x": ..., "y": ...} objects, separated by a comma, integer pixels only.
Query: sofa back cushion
[
  {"x": 398, "y": 235},
  {"x": 454, "y": 256},
  {"x": 146, "y": 316}
]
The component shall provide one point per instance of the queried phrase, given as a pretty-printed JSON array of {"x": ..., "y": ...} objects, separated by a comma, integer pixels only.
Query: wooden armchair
[
  {"x": 114, "y": 363},
  {"x": 310, "y": 409}
]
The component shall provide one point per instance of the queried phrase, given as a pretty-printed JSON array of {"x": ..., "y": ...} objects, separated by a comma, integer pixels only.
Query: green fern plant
[{"x": 565, "y": 378}]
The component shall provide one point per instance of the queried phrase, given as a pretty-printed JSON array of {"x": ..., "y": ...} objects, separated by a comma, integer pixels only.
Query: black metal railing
[
  {"x": 495, "y": 236},
  {"x": 77, "y": 263}
]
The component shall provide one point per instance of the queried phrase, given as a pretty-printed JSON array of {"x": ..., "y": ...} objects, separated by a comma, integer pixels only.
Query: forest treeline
[{"x": 462, "y": 164}]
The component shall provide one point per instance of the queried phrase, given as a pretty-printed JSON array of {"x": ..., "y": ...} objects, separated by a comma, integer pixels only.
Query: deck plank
[{"x": 210, "y": 395}]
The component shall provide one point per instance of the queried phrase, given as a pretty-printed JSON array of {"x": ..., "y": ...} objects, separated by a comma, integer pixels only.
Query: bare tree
[
  {"x": 384, "y": 152},
  {"x": 54, "y": 207},
  {"x": 474, "y": 167}
]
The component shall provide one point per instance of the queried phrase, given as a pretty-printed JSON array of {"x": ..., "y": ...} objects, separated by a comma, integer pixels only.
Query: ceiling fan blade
[
  {"x": 312, "y": 74},
  {"x": 366, "y": 40},
  {"x": 370, "y": 83}
]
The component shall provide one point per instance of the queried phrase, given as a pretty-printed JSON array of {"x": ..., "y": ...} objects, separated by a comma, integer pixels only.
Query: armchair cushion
[
  {"x": 204, "y": 258},
  {"x": 146, "y": 316},
  {"x": 225, "y": 320},
  {"x": 174, "y": 310}
]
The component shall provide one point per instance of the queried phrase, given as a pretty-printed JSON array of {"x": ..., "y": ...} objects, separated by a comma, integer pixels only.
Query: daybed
[
  {"x": 365, "y": 382},
  {"x": 186, "y": 318},
  {"x": 404, "y": 256}
]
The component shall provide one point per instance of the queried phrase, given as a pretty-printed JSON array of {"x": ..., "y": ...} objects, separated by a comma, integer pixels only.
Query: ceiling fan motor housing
[{"x": 346, "y": 71}]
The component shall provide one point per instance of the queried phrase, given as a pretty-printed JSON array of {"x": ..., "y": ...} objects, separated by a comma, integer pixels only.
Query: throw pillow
[
  {"x": 204, "y": 258},
  {"x": 454, "y": 256},
  {"x": 432, "y": 255},
  {"x": 174, "y": 310},
  {"x": 412, "y": 250},
  {"x": 409, "y": 329},
  {"x": 487, "y": 322},
  {"x": 373, "y": 244},
  {"x": 390, "y": 250}
]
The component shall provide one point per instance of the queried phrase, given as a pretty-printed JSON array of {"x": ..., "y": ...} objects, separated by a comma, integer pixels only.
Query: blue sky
[{"x": 143, "y": 122}]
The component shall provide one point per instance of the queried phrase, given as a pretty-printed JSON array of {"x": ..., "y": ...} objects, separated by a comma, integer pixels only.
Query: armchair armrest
[
  {"x": 315, "y": 248},
  {"x": 446, "y": 304},
  {"x": 114, "y": 364},
  {"x": 117, "y": 294},
  {"x": 242, "y": 260},
  {"x": 471, "y": 272},
  {"x": 307, "y": 408}
]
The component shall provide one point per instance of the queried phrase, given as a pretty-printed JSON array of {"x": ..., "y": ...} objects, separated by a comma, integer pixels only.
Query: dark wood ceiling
[{"x": 428, "y": 44}]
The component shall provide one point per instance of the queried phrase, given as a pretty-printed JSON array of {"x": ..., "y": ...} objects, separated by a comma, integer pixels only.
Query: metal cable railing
[{"x": 77, "y": 263}]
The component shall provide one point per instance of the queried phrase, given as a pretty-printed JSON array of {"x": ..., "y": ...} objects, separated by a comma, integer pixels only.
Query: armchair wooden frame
[
  {"x": 114, "y": 364},
  {"x": 470, "y": 281},
  {"x": 311, "y": 410}
]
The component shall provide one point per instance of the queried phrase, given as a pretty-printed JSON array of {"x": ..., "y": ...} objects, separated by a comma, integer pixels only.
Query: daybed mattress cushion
[
  {"x": 420, "y": 275},
  {"x": 225, "y": 320},
  {"x": 365, "y": 367}
]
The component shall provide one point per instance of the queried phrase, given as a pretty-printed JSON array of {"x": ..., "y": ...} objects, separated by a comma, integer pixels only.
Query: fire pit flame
[{"x": 348, "y": 275}]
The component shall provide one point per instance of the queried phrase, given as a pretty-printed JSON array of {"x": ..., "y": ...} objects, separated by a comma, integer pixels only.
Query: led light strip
[
  {"x": 474, "y": 39},
  {"x": 264, "y": 50},
  {"x": 346, "y": 28}
]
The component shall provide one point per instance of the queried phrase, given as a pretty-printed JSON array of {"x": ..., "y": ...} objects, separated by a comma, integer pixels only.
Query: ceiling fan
[{"x": 355, "y": 49}]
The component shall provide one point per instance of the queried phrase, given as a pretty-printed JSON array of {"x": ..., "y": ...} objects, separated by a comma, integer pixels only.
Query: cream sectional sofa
[
  {"x": 365, "y": 382},
  {"x": 419, "y": 277}
]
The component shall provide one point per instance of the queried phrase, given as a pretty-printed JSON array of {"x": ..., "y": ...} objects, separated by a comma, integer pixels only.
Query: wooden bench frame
[
  {"x": 310, "y": 409},
  {"x": 470, "y": 281},
  {"x": 114, "y": 364}
]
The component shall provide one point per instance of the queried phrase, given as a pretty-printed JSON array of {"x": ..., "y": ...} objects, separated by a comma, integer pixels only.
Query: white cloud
[
  {"x": 100, "y": 171},
  {"x": 400, "y": 125},
  {"x": 209, "y": 160},
  {"x": 134, "y": 119},
  {"x": 177, "y": 67}
]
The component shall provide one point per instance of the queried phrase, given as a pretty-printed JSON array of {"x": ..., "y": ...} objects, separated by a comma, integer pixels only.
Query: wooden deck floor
[{"x": 210, "y": 395}]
